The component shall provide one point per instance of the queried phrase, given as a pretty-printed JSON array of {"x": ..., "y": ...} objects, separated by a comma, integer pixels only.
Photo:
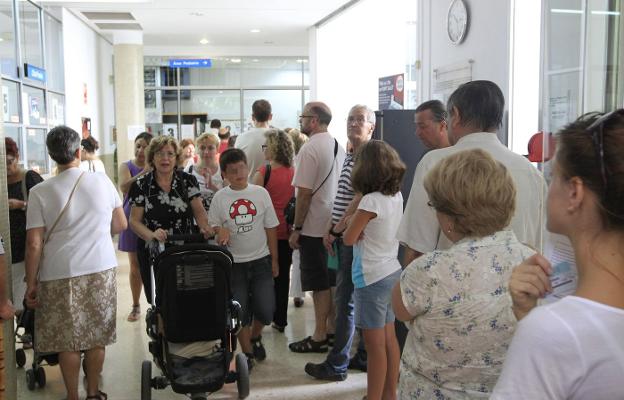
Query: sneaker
[
  {"x": 258, "y": 348},
  {"x": 324, "y": 372},
  {"x": 135, "y": 314},
  {"x": 250, "y": 361},
  {"x": 357, "y": 362},
  {"x": 277, "y": 327}
]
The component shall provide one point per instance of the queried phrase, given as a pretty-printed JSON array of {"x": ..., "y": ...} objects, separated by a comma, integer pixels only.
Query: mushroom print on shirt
[{"x": 246, "y": 214}]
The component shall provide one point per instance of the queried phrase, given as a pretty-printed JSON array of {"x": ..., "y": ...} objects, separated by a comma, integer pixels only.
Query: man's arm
[
  {"x": 409, "y": 255},
  {"x": 304, "y": 198}
]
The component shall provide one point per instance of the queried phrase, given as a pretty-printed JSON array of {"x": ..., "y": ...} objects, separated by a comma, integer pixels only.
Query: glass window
[
  {"x": 13, "y": 132},
  {"x": 204, "y": 105},
  {"x": 30, "y": 30},
  {"x": 56, "y": 105},
  {"x": 54, "y": 54},
  {"x": 222, "y": 73},
  {"x": 271, "y": 72},
  {"x": 285, "y": 104},
  {"x": 10, "y": 101},
  {"x": 161, "y": 112},
  {"x": 8, "y": 65},
  {"x": 37, "y": 157},
  {"x": 33, "y": 106}
]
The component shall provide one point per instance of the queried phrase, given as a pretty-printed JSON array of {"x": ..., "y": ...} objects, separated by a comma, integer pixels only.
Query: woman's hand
[
  {"x": 31, "y": 296},
  {"x": 328, "y": 241},
  {"x": 275, "y": 268},
  {"x": 7, "y": 311},
  {"x": 160, "y": 235},
  {"x": 207, "y": 231},
  {"x": 15, "y": 204},
  {"x": 223, "y": 236},
  {"x": 529, "y": 281}
]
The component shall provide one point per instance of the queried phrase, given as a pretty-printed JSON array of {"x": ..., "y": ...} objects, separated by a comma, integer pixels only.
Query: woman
[
  {"x": 456, "y": 299},
  {"x": 187, "y": 154},
  {"x": 207, "y": 172},
  {"x": 90, "y": 162},
  {"x": 164, "y": 201},
  {"x": 573, "y": 348},
  {"x": 70, "y": 263},
  {"x": 19, "y": 183},
  {"x": 277, "y": 178},
  {"x": 129, "y": 172}
]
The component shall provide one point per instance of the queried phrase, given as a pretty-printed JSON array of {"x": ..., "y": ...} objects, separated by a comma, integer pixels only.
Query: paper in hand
[{"x": 558, "y": 250}]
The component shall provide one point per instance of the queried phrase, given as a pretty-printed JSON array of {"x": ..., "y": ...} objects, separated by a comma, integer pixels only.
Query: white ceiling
[{"x": 225, "y": 23}]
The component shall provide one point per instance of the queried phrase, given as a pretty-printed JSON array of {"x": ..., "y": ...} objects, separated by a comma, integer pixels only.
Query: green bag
[{"x": 333, "y": 262}]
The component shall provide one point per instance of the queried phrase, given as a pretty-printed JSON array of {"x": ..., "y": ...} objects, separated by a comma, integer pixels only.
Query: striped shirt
[{"x": 345, "y": 193}]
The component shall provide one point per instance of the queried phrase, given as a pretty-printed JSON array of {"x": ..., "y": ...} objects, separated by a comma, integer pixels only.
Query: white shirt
[
  {"x": 245, "y": 213},
  {"x": 81, "y": 243},
  {"x": 92, "y": 166},
  {"x": 313, "y": 164},
  {"x": 206, "y": 193},
  {"x": 251, "y": 143},
  {"x": 463, "y": 319},
  {"x": 375, "y": 256},
  {"x": 420, "y": 229},
  {"x": 571, "y": 349}
]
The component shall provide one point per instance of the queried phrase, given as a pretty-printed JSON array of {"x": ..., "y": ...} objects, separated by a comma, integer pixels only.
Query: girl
[
  {"x": 207, "y": 171},
  {"x": 377, "y": 176}
]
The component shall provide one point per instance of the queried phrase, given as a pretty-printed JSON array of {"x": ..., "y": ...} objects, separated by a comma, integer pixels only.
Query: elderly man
[
  {"x": 316, "y": 180},
  {"x": 252, "y": 140},
  {"x": 430, "y": 119},
  {"x": 476, "y": 112},
  {"x": 360, "y": 127}
]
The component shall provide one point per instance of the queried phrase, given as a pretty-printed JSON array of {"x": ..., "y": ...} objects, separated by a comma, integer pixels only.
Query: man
[
  {"x": 251, "y": 141},
  {"x": 430, "y": 120},
  {"x": 215, "y": 126},
  {"x": 475, "y": 113},
  {"x": 316, "y": 180},
  {"x": 360, "y": 127},
  {"x": 224, "y": 138}
]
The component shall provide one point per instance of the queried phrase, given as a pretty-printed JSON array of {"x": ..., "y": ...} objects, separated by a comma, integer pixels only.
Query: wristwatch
[
  {"x": 334, "y": 234},
  {"x": 297, "y": 228}
]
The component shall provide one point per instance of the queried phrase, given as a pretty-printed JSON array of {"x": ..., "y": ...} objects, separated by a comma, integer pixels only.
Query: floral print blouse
[
  {"x": 463, "y": 319},
  {"x": 169, "y": 211}
]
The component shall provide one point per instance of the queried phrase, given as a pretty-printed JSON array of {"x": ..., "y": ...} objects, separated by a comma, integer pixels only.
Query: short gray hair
[
  {"x": 370, "y": 114},
  {"x": 62, "y": 142}
]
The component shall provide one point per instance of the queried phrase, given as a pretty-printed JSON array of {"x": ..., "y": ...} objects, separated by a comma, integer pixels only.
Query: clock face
[{"x": 457, "y": 21}]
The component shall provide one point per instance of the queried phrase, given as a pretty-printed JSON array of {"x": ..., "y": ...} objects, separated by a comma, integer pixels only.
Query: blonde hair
[
  {"x": 280, "y": 147},
  {"x": 473, "y": 189},
  {"x": 209, "y": 138},
  {"x": 158, "y": 143},
  {"x": 297, "y": 137}
]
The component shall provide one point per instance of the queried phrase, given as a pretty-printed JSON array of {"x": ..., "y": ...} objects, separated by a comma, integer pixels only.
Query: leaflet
[{"x": 558, "y": 250}]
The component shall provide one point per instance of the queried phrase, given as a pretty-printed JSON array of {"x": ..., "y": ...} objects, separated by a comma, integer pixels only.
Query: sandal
[
  {"x": 135, "y": 314},
  {"x": 99, "y": 396},
  {"x": 330, "y": 339},
  {"x": 308, "y": 345}
]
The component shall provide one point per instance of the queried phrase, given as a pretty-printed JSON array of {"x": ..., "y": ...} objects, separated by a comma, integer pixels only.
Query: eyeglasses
[
  {"x": 358, "y": 120},
  {"x": 165, "y": 154},
  {"x": 264, "y": 147},
  {"x": 306, "y": 116},
  {"x": 596, "y": 130}
]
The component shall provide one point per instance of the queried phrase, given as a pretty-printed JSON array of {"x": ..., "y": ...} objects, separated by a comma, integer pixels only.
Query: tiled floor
[{"x": 281, "y": 376}]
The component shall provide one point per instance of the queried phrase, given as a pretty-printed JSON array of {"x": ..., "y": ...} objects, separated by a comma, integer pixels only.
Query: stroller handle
[{"x": 188, "y": 237}]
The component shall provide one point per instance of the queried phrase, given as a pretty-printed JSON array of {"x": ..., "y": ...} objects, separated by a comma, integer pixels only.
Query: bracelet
[
  {"x": 297, "y": 228},
  {"x": 335, "y": 234}
]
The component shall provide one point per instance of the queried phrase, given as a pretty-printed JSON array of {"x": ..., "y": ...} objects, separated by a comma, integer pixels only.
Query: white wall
[{"x": 88, "y": 59}]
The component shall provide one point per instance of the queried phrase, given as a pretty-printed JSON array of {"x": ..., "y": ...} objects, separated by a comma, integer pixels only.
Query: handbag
[{"x": 291, "y": 206}]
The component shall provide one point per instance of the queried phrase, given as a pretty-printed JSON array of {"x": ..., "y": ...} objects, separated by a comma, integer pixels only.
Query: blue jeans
[{"x": 338, "y": 357}]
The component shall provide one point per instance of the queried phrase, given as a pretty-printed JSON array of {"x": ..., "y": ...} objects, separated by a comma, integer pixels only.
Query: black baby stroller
[
  {"x": 26, "y": 329},
  {"x": 192, "y": 302}
]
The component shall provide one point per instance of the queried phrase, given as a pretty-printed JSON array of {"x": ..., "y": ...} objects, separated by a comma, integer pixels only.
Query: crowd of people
[{"x": 299, "y": 213}]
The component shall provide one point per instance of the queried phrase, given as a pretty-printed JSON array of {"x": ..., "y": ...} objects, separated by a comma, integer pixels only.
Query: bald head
[{"x": 321, "y": 110}]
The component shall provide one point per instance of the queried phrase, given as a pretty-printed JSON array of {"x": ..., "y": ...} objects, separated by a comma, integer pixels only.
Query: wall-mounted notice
[
  {"x": 391, "y": 92},
  {"x": 448, "y": 78}
]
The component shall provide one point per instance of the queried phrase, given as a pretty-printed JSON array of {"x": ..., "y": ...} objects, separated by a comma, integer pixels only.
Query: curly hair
[
  {"x": 475, "y": 190},
  {"x": 158, "y": 143},
  {"x": 298, "y": 138},
  {"x": 280, "y": 147},
  {"x": 90, "y": 145},
  {"x": 377, "y": 168},
  {"x": 11, "y": 147}
]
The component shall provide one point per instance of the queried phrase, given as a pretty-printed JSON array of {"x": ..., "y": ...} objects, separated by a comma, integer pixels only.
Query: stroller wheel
[
  {"x": 41, "y": 377},
  {"x": 30, "y": 379},
  {"x": 242, "y": 379},
  {"x": 20, "y": 358},
  {"x": 146, "y": 380}
]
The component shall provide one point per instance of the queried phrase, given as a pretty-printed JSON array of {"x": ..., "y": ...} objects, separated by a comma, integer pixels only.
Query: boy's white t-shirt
[
  {"x": 375, "y": 256},
  {"x": 571, "y": 349},
  {"x": 245, "y": 213}
]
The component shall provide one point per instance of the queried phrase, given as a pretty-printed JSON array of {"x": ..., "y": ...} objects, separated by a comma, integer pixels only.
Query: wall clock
[{"x": 457, "y": 21}]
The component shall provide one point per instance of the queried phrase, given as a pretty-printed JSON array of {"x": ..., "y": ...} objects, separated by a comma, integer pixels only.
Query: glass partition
[
  {"x": 33, "y": 106},
  {"x": 37, "y": 153},
  {"x": 30, "y": 31},
  {"x": 285, "y": 104},
  {"x": 8, "y": 63},
  {"x": 56, "y": 107},
  {"x": 204, "y": 105},
  {"x": 54, "y": 46},
  {"x": 10, "y": 101}
]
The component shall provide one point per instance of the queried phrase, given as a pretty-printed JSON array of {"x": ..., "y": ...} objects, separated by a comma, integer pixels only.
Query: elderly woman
[
  {"x": 276, "y": 177},
  {"x": 456, "y": 299},
  {"x": 207, "y": 171},
  {"x": 70, "y": 263},
  {"x": 164, "y": 201},
  {"x": 573, "y": 348},
  {"x": 90, "y": 161},
  {"x": 19, "y": 183}
]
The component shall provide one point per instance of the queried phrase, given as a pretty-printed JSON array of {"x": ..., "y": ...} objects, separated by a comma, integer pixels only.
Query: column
[{"x": 129, "y": 93}]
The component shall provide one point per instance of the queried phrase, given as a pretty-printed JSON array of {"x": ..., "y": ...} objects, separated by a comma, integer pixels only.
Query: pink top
[{"x": 281, "y": 190}]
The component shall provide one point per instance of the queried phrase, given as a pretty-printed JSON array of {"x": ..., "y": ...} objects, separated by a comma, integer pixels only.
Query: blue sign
[
  {"x": 191, "y": 63},
  {"x": 34, "y": 73}
]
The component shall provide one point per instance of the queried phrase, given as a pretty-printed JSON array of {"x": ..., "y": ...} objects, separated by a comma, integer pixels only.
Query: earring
[{"x": 449, "y": 230}]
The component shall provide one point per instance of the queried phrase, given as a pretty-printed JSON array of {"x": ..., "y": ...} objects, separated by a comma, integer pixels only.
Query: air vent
[
  {"x": 108, "y": 16},
  {"x": 113, "y": 26}
]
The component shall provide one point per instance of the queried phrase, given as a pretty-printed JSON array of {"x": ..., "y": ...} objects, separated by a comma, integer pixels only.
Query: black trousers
[
  {"x": 281, "y": 284},
  {"x": 144, "y": 268}
]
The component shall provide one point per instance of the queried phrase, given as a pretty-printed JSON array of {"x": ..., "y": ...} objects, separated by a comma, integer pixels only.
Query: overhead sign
[
  {"x": 391, "y": 92},
  {"x": 190, "y": 63},
  {"x": 34, "y": 73}
]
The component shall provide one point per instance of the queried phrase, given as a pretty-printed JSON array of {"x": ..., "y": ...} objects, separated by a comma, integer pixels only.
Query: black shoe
[
  {"x": 250, "y": 361},
  {"x": 359, "y": 363},
  {"x": 323, "y": 372},
  {"x": 298, "y": 301},
  {"x": 330, "y": 339},
  {"x": 258, "y": 349}
]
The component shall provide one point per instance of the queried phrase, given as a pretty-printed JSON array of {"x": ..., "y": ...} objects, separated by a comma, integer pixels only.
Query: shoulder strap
[
  {"x": 47, "y": 237},
  {"x": 267, "y": 174},
  {"x": 331, "y": 169}
]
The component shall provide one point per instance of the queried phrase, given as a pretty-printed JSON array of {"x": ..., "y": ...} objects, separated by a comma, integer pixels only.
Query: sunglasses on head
[{"x": 596, "y": 130}]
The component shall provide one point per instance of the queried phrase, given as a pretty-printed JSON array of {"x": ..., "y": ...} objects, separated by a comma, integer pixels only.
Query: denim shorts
[
  {"x": 252, "y": 287},
  {"x": 373, "y": 303}
]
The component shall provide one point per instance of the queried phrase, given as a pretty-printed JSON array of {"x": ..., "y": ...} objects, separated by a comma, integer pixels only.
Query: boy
[{"x": 243, "y": 216}]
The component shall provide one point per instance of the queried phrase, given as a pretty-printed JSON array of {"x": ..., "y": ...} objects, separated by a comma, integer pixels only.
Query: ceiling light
[
  {"x": 204, "y": 41},
  {"x": 565, "y": 11},
  {"x": 1, "y": 40},
  {"x": 255, "y": 31},
  {"x": 235, "y": 60},
  {"x": 255, "y": 60},
  {"x": 196, "y": 14},
  {"x": 301, "y": 61},
  {"x": 269, "y": 42}
]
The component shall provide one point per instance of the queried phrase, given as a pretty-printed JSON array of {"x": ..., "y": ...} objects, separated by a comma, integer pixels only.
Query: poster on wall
[
  {"x": 449, "y": 77},
  {"x": 170, "y": 129},
  {"x": 391, "y": 92}
]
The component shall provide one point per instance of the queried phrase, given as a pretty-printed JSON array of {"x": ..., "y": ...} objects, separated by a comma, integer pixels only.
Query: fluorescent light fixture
[
  {"x": 255, "y": 31},
  {"x": 565, "y": 11},
  {"x": 220, "y": 91},
  {"x": 235, "y": 60},
  {"x": 255, "y": 60},
  {"x": 1, "y": 40},
  {"x": 301, "y": 61},
  {"x": 616, "y": 13},
  {"x": 204, "y": 41}
]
